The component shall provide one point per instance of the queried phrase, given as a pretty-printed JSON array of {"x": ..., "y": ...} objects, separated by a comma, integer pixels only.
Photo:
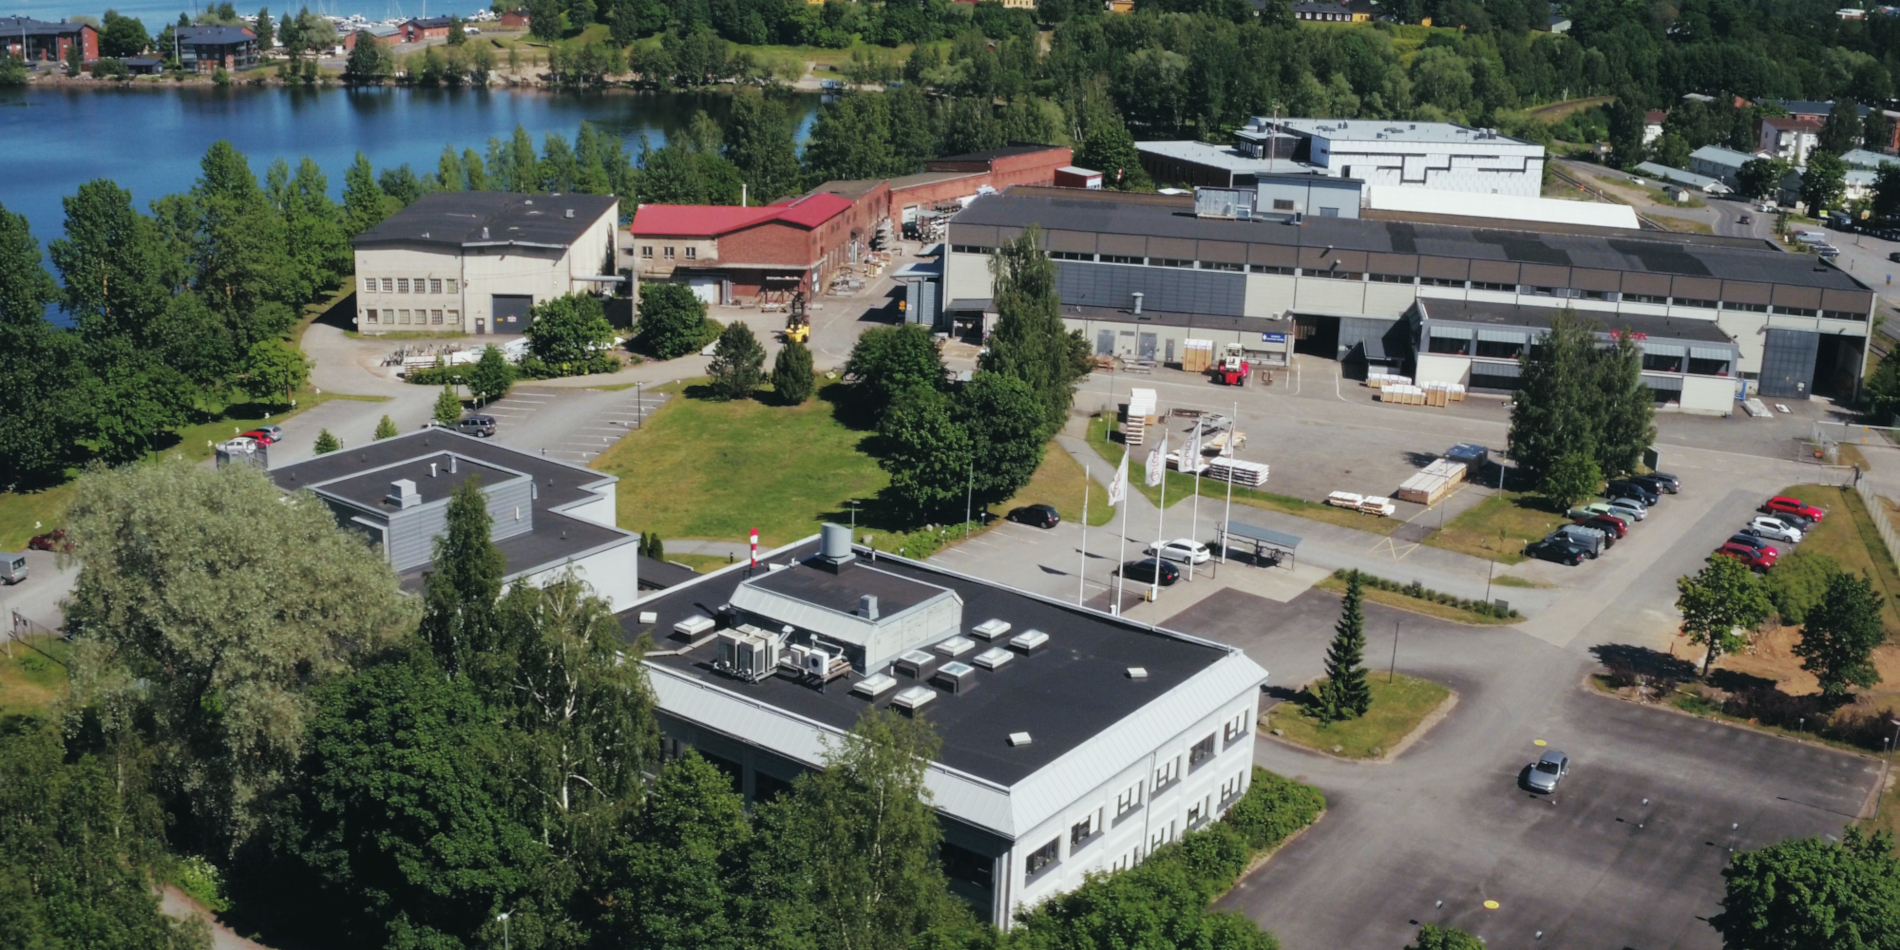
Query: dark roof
[
  {"x": 556, "y": 536},
  {"x": 1693, "y": 255},
  {"x": 1514, "y": 315},
  {"x": 840, "y": 591},
  {"x": 989, "y": 155},
  {"x": 434, "y": 22},
  {"x": 1306, "y": 6},
  {"x": 213, "y": 35},
  {"x": 1064, "y": 693},
  {"x": 457, "y": 219},
  {"x": 371, "y": 489},
  {"x": 1809, "y": 107},
  {"x": 1199, "y": 321},
  {"x": 13, "y": 26},
  {"x": 659, "y": 575}
]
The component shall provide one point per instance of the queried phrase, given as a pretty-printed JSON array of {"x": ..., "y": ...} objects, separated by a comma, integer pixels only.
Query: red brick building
[
  {"x": 726, "y": 254},
  {"x": 417, "y": 30},
  {"x": 515, "y": 20},
  {"x": 47, "y": 42},
  {"x": 954, "y": 180}
]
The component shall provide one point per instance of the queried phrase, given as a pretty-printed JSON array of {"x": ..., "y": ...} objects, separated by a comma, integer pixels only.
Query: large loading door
[
  {"x": 1787, "y": 363},
  {"x": 510, "y": 312}
]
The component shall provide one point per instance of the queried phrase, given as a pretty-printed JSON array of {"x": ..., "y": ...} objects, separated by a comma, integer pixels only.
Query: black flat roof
[
  {"x": 372, "y": 489},
  {"x": 1513, "y": 315},
  {"x": 1062, "y": 694},
  {"x": 840, "y": 591},
  {"x": 457, "y": 219},
  {"x": 1691, "y": 255}
]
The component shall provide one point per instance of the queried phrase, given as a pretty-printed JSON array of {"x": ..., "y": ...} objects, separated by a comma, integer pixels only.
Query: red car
[
  {"x": 1617, "y": 527},
  {"x": 1759, "y": 560},
  {"x": 1782, "y": 504},
  {"x": 263, "y": 437},
  {"x": 54, "y": 540}
]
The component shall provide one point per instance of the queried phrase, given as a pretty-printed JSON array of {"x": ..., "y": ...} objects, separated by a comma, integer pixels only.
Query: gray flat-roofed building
[
  {"x": 1130, "y": 763},
  {"x": 1722, "y": 164},
  {"x": 1339, "y": 279},
  {"x": 1441, "y": 155},
  {"x": 547, "y": 516}
]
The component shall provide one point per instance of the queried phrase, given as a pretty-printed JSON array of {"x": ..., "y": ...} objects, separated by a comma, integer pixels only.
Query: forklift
[
  {"x": 1232, "y": 370},
  {"x": 797, "y": 324}
]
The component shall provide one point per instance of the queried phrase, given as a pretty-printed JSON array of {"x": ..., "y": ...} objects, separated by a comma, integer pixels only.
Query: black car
[
  {"x": 1745, "y": 219},
  {"x": 1748, "y": 538},
  {"x": 1632, "y": 489},
  {"x": 1144, "y": 571},
  {"x": 1041, "y": 516},
  {"x": 1895, "y": 257},
  {"x": 1561, "y": 552},
  {"x": 1658, "y": 483},
  {"x": 481, "y": 427}
]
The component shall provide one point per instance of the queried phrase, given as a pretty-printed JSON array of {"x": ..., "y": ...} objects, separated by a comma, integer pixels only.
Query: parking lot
[
  {"x": 1627, "y": 853},
  {"x": 568, "y": 424}
]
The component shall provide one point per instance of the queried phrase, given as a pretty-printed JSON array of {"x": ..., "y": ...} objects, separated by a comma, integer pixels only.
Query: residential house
[
  {"x": 416, "y": 30},
  {"x": 1789, "y": 138},
  {"x": 41, "y": 41},
  {"x": 1323, "y": 12},
  {"x": 515, "y": 20},
  {"x": 1717, "y": 162},
  {"x": 208, "y": 48},
  {"x": 1653, "y": 124}
]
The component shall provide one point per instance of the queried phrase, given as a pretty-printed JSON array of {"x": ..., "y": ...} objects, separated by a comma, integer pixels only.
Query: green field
[
  {"x": 1397, "y": 708},
  {"x": 1848, "y": 536},
  {"x": 1519, "y": 516},
  {"x": 32, "y": 674}
]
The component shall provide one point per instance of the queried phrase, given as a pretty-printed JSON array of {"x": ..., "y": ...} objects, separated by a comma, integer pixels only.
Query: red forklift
[{"x": 1232, "y": 370}]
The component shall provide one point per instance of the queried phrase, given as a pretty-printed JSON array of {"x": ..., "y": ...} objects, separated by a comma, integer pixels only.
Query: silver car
[
  {"x": 1774, "y": 529},
  {"x": 1629, "y": 509},
  {"x": 1548, "y": 771}
]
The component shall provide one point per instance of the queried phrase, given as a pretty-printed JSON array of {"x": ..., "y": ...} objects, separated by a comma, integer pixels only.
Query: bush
[
  {"x": 1797, "y": 584},
  {"x": 221, "y": 77},
  {"x": 672, "y": 322},
  {"x": 792, "y": 378},
  {"x": 1418, "y": 591},
  {"x": 109, "y": 68}
]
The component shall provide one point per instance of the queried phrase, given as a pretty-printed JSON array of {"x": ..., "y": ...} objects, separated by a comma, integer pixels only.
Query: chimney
[
  {"x": 432, "y": 469},
  {"x": 1138, "y": 296},
  {"x": 452, "y": 465},
  {"x": 867, "y": 607},
  {"x": 402, "y": 494}
]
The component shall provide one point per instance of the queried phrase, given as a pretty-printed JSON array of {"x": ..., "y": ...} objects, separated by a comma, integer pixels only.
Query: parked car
[
  {"x": 479, "y": 426},
  {"x": 1782, "y": 504},
  {"x": 1748, "y": 540},
  {"x": 1608, "y": 524},
  {"x": 1658, "y": 482},
  {"x": 1039, "y": 516},
  {"x": 1590, "y": 540},
  {"x": 1629, "y": 509},
  {"x": 1549, "y": 769},
  {"x": 12, "y": 568},
  {"x": 1558, "y": 551},
  {"x": 1144, "y": 571},
  {"x": 1631, "y": 489},
  {"x": 1827, "y": 250},
  {"x": 264, "y": 435},
  {"x": 1183, "y": 551},
  {"x": 1894, "y": 256},
  {"x": 1598, "y": 508},
  {"x": 1745, "y": 219},
  {"x": 1774, "y": 529},
  {"x": 54, "y": 540},
  {"x": 1759, "y": 560}
]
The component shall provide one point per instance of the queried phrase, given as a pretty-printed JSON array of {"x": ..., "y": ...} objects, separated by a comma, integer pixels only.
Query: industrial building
[
  {"x": 1439, "y": 155},
  {"x": 757, "y": 669},
  {"x": 548, "y": 516},
  {"x": 1141, "y": 275},
  {"x": 477, "y": 261}
]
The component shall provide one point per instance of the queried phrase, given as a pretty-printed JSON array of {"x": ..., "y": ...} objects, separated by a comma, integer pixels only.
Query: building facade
[
  {"x": 1155, "y": 737},
  {"x": 42, "y": 41},
  {"x": 1438, "y": 155},
  {"x": 476, "y": 261},
  {"x": 1789, "y": 138},
  {"x": 417, "y": 30},
  {"x": 726, "y": 254},
  {"x": 1722, "y": 164},
  {"x": 209, "y": 48}
]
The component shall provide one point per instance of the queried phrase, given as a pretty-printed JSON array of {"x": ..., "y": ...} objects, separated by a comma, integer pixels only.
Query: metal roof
[
  {"x": 491, "y": 218},
  {"x": 1437, "y": 311},
  {"x": 1266, "y": 535}
]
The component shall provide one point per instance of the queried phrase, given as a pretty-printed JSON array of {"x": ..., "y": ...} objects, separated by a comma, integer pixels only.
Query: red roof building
[{"x": 728, "y": 253}]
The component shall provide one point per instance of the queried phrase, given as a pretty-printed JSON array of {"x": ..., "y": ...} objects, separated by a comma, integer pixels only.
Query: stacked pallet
[
  {"x": 1402, "y": 395},
  {"x": 1198, "y": 355},
  {"x": 1345, "y": 499},
  {"x": 1432, "y": 483},
  {"x": 1141, "y": 415},
  {"x": 1375, "y": 505},
  {"x": 1253, "y": 474},
  {"x": 1382, "y": 380},
  {"x": 1193, "y": 465},
  {"x": 1439, "y": 394}
]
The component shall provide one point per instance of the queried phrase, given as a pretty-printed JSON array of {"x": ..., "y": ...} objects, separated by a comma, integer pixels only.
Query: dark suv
[
  {"x": 1633, "y": 489},
  {"x": 481, "y": 427},
  {"x": 1041, "y": 516},
  {"x": 1658, "y": 482},
  {"x": 1144, "y": 571}
]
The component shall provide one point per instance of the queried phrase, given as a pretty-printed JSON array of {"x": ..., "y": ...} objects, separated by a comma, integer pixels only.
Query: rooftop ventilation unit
[
  {"x": 570, "y": 213},
  {"x": 694, "y": 626},
  {"x": 956, "y": 646},
  {"x": 867, "y": 607},
  {"x": 402, "y": 494},
  {"x": 873, "y": 686},
  {"x": 993, "y": 657},
  {"x": 1019, "y": 738},
  {"x": 748, "y": 653},
  {"x": 1137, "y": 673},
  {"x": 1029, "y": 641},
  {"x": 1138, "y": 296},
  {"x": 912, "y": 698},
  {"x": 915, "y": 664},
  {"x": 955, "y": 677},
  {"x": 834, "y": 547},
  {"x": 990, "y": 629}
]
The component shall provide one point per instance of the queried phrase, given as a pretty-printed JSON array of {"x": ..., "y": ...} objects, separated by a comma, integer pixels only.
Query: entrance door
[
  {"x": 511, "y": 312},
  {"x": 1170, "y": 357},
  {"x": 1105, "y": 343},
  {"x": 481, "y": 325},
  {"x": 1145, "y": 349}
]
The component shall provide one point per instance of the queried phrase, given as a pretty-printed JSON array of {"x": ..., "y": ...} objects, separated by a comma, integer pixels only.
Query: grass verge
[
  {"x": 1060, "y": 481},
  {"x": 1849, "y": 537},
  {"x": 1397, "y": 708},
  {"x": 1181, "y": 487},
  {"x": 33, "y": 674},
  {"x": 1498, "y": 527},
  {"x": 700, "y": 563},
  {"x": 1422, "y": 602}
]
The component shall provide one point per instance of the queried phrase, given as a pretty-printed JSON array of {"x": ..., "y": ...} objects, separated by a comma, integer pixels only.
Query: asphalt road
[{"x": 1628, "y": 853}]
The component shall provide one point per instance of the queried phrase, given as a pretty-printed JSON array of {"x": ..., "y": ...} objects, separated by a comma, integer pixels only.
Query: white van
[{"x": 12, "y": 568}]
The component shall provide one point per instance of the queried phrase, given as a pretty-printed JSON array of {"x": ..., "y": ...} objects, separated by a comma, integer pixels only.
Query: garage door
[
  {"x": 706, "y": 289},
  {"x": 511, "y": 312}
]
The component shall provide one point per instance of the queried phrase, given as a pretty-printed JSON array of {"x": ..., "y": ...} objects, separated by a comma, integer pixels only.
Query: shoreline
[{"x": 64, "y": 83}]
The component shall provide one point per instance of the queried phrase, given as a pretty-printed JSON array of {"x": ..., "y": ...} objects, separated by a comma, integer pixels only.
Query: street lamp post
[
  {"x": 1393, "y": 671},
  {"x": 503, "y": 917}
]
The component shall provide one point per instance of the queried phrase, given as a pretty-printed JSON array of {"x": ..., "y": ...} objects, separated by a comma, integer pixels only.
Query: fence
[{"x": 1877, "y": 510}]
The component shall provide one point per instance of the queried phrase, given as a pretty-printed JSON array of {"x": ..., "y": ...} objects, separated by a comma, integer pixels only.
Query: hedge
[{"x": 1418, "y": 591}]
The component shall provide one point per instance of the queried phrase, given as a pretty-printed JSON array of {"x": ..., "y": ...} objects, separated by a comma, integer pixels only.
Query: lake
[{"x": 149, "y": 140}]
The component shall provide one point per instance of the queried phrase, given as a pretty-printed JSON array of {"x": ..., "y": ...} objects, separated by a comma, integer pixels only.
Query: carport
[{"x": 1267, "y": 544}]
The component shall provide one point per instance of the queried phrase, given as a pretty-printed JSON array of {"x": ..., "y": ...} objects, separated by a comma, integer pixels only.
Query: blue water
[{"x": 156, "y": 13}]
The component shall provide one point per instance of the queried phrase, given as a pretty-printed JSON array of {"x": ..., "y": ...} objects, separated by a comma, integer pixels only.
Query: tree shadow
[
  {"x": 1420, "y": 459},
  {"x": 1632, "y": 660},
  {"x": 1734, "y": 681},
  {"x": 341, "y": 315},
  {"x": 851, "y": 408}
]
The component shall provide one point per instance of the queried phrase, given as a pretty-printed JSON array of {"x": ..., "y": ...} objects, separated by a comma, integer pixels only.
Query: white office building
[
  {"x": 1440, "y": 155},
  {"x": 1072, "y": 741}
]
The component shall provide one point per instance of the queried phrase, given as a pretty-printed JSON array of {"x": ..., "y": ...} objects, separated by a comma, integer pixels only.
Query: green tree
[
  {"x": 448, "y": 409},
  {"x": 491, "y": 377},
  {"x": 927, "y": 452},
  {"x": 738, "y": 362},
  {"x": 1887, "y": 189},
  {"x": 1716, "y": 602},
  {"x": 124, "y": 37},
  {"x": 672, "y": 321},
  {"x": 1760, "y": 177},
  {"x": 847, "y": 859},
  {"x": 758, "y": 142},
  {"x": 792, "y": 377},
  {"x": 326, "y": 443},
  {"x": 1434, "y": 937},
  {"x": 1840, "y": 133},
  {"x": 851, "y": 139},
  {"x": 1626, "y": 116},
  {"x": 887, "y": 362},
  {"x": 548, "y": 19},
  {"x": 266, "y": 33},
  {"x": 1554, "y": 411},
  {"x": 274, "y": 368},
  {"x": 459, "y": 595},
  {"x": 457, "y": 36},
  {"x": 1345, "y": 694},
  {"x": 658, "y": 548},
  {"x": 244, "y": 266},
  {"x": 1626, "y": 417},
  {"x": 76, "y": 60},
  {"x": 1812, "y": 893},
  {"x": 1838, "y": 640},
  {"x": 1875, "y": 131},
  {"x": 386, "y": 427},
  {"x": 40, "y": 367},
  {"x": 1029, "y": 342},
  {"x": 678, "y": 865},
  {"x": 568, "y": 329},
  {"x": 317, "y": 230},
  {"x": 210, "y": 609},
  {"x": 1823, "y": 182},
  {"x": 1798, "y": 583},
  {"x": 1006, "y": 426},
  {"x": 1573, "y": 477},
  {"x": 363, "y": 206},
  {"x": 370, "y": 62}
]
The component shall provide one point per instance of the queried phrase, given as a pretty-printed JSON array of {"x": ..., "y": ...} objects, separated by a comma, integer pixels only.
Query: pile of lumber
[
  {"x": 1429, "y": 394},
  {"x": 1370, "y": 504},
  {"x": 1191, "y": 466},
  {"x": 1141, "y": 415},
  {"x": 1432, "y": 483},
  {"x": 1382, "y": 380},
  {"x": 1251, "y": 474}
]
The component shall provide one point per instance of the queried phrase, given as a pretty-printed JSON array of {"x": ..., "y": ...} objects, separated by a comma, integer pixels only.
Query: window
[
  {"x": 692, "y": 253},
  {"x": 1499, "y": 288},
  {"x": 370, "y": 315},
  {"x": 1331, "y": 274},
  {"x": 435, "y": 316},
  {"x": 1844, "y": 315},
  {"x": 455, "y": 318},
  {"x": 1160, "y": 836},
  {"x": 402, "y": 316},
  {"x": 1170, "y": 262},
  {"x": 435, "y": 285},
  {"x": 1221, "y": 265},
  {"x": 1449, "y": 346},
  {"x": 1390, "y": 278},
  {"x": 969, "y": 249},
  {"x": 1441, "y": 282},
  {"x": 1270, "y": 269},
  {"x": 1745, "y": 307},
  {"x": 1126, "y": 861},
  {"x": 1794, "y": 311},
  {"x": 1167, "y": 773},
  {"x": 1121, "y": 259},
  {"x": 1500, "y": 349},
  {"x": 1082, "y": 830},
  {"x": 1042, "y": 857},
  {"x": 369, "y": 285},
  {"x": 1646, "y": 298},
  {"x": 1283, "y": 204},
  {"x": 1235, "y": 727},
  {"x": 1693, "y": 302},
  {"x": 1070, "y": 256},
  {"x": 1702, "y": 367},
  {"x": 389, "y": 285},
  {"x": 1595, "y": 295},
  {"x": 1231, "y": 788},
  {"x": 646, "y": 251},
  {"x": 451, "y": 284},
  {"x": 668, "y": 252},
  {"x": 1201, "y": 752},
  {"x": 402, "y": 285},
  {"x": 1128, "y": 800},
  {"x": 1197, "y": 813}
]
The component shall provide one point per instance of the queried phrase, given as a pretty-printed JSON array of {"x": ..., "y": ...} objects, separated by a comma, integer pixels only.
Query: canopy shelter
[{"x": 1267, "y": 544}]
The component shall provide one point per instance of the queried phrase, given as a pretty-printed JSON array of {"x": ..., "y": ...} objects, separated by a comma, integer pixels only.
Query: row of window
[
  {"x": 667, "y": 252},
  {"x": 1084, "y": 832},
  {"x": 397, "y": 317},
  {"x": 1499, "y": 349},
  {"x": 409, "y": 285}
]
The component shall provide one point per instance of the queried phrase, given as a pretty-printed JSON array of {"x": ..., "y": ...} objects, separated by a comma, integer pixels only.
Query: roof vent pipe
[
  {"x": 484, "y": 234},
  {"x": 834, "y": 547},
  {"x": 1138, "y": 296},
  {"x": 453, "y": 467},
  {"x": 570, "y": 212},
  {"x": 432, "y": 469}
]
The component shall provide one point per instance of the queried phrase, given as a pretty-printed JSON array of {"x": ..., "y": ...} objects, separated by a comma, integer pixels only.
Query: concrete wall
[
  {"x": 614, "y": 574},
  {"x": 1126, "y": 339},
  {"x": 1435, "y": 368},
  {"x": 1708, "y": 395},
  {"x": 600, "y": 509},
  {"x": 967, "y": 275}
]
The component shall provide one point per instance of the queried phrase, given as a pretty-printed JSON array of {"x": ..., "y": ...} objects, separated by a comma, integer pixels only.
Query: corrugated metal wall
[
  {"x": 1170, "y": 289},
  {"x": 1787, "y": 363}
]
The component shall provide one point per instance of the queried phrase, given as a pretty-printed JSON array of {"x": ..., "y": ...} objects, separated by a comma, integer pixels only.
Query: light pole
[
  {"x": 1393, "y": 671},
  {"x": 503, "y": 917},
  {"x": 851, "y": 505}
]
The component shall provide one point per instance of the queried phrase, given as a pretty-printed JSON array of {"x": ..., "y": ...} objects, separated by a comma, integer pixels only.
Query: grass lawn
[
  {"x": 1181, "y": 488},
  {"x": 1397, "y": 709},
  {"x": 1429, "y": 608},
  {"x": 1683, "y": 225},
  {"x": 30, "y": 680},
  {"x": 1504, "y": 580},
  {"x": 1058, "y": 481},
  {"x": 1520, "y": 516},
  {"x": 703, "y": 563},
  {"x": 1848, "y": 536}
]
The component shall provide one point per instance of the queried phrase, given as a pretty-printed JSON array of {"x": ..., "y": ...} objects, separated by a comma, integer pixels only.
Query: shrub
[
  {"x": 1797, "y": 584},
  {"x": 672, "y": 322},
  {"x": 108, "y": 68}
]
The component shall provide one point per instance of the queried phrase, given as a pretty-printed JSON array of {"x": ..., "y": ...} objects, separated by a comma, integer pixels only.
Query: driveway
[{"x": 1628, "y": 853}]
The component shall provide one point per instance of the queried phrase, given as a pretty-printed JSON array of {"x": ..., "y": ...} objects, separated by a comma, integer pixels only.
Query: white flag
[
  {"x": 1193, "y": 456},
  {"x": 1158, "y": 461},
  {"x": 1118, "y": 489}
]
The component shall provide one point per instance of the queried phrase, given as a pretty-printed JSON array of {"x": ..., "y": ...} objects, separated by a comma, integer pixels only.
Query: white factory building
[
  {"x": 1437, "y": 155},
  {"x": 1072, "y": 741}
]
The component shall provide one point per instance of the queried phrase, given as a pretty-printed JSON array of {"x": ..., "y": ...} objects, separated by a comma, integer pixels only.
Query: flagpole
[
  {"x": 1161, "y": 513},
  {"x": 1081, "y": 585},
  {"x": 1233, "y": 428},
  {"x": 1194, "y": 527},
  {"x": 1121, "y": 571}
]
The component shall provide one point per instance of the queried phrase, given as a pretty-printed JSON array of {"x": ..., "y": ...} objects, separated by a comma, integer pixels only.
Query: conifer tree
[
  {"x": 1345, "y": 694},
  {"x": 326, "y": 443},
  {"x": 792, "y": 374},
  {"x": 386, "y": 428},
  {"x": 459, "y": 594},
  {"x": 448, "y": 407}
]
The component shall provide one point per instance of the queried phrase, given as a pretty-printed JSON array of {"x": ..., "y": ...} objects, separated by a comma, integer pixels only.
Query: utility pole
[
  {"x": 1394, "y": 669},
  {"x": 1081, "y": 584},
  {"x": 969, "y": 490}
]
